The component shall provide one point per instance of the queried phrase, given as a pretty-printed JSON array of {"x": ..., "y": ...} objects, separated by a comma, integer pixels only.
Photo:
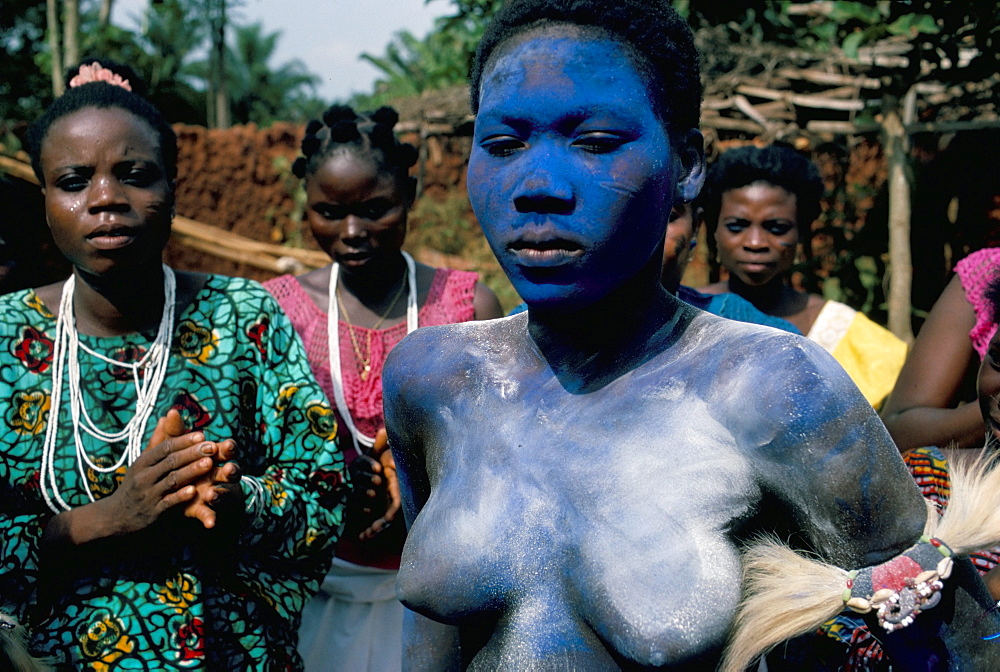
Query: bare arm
[
  {"x": 404, "y": 422},
  {"x": 837, "y": 473},
  {"x": 920, "y": 412},
  {"x": 824, "y": 458},
  {"x": 485, "y": 304}
]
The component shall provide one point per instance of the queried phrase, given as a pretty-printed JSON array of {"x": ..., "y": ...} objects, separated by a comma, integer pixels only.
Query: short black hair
[
  {"x": 777, "y": 165},
  {"x": 368, "y": 133},
  {"x": 651, "y": 28},
  {"x": 104, "y": 95}
]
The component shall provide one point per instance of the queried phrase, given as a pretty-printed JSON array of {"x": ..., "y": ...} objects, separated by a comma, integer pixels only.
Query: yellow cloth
[{"x": 871, "y": 354}]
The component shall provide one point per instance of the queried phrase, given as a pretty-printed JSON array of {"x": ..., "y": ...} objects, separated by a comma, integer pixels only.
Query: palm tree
[
  {"x": 411, "y": 65},
  {"x": 166, "y": 44},
  {"x": 260, "y": 93}
]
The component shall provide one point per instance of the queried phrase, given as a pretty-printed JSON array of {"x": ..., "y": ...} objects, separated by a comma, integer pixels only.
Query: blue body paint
[{"x": 579, "y": 481}]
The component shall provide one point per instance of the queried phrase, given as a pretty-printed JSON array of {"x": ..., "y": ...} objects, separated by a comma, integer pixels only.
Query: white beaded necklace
[
  {"x": 333, "y": 342},
  {"x": 66, "y": 357}
]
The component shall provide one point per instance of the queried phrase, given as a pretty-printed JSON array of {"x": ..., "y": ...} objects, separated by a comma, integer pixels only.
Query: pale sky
[{"x": 327, "y": 35}]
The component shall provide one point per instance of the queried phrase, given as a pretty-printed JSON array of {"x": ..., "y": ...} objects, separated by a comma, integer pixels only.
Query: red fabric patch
[{"x": 894, "y": 573}]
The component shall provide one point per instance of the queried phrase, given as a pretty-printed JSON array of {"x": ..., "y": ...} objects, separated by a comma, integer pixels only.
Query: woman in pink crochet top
[
  {"x": 926, "y": 407},
  {"x": 358, "y": 194}
]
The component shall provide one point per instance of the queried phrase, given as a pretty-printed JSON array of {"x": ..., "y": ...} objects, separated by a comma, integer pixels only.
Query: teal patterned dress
[{"x": 174, "y": 596}]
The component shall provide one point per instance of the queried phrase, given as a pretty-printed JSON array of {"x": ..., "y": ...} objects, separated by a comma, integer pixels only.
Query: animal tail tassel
[
  {"x": 14, "y": 646},
  {"x": 787, "y": 594}
]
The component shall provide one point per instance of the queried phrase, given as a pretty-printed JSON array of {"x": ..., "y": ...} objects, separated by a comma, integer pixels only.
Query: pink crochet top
[
  {"x": 449, "y": 301},
  {"x": 976, "y": 272}
]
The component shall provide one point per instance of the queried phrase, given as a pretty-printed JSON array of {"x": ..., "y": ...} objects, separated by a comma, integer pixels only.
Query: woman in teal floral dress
[{"x": 170, "y": 488}]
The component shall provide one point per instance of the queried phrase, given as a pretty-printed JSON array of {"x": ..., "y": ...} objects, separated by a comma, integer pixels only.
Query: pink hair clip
[{"x": 95, "y": 72}]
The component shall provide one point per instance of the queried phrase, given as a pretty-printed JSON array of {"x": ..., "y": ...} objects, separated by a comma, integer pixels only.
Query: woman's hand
[
  {"x": 163, "y": 477},
  {"x": 219, "y": 487},
  {"x": 376, "y": 482},
  {"x": 218, "y": 490}
]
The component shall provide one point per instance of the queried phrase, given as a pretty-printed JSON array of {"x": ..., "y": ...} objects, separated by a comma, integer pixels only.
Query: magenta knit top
[
  {"x": 976, "y": 272},
  {"x": 449, "y": 301}
]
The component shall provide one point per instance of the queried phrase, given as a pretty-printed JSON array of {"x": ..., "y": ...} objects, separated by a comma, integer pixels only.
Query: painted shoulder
[
  {"x": 778, "y": 392},
  {"x": 781, "y": 378},
  {"x": 444, "y": 356}
]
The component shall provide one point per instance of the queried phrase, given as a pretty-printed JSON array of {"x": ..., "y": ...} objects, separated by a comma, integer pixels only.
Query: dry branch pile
[{"x": 770, "y": 92}]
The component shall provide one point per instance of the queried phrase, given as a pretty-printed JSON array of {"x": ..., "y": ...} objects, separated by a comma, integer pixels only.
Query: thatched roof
[
  {"x": 445, "y": 108},
  {"x": 770, "y": 92}
]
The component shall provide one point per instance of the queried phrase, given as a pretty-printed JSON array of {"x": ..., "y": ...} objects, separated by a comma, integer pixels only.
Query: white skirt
[{"x": 354, "y": 623}]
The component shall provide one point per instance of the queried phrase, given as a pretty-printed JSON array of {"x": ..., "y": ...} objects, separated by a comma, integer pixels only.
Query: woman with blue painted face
[{"x": 580, "y": 479}]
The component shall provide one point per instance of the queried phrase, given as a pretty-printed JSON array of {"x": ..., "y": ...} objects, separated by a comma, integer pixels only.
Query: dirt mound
[{"x": 238, "y": 179}]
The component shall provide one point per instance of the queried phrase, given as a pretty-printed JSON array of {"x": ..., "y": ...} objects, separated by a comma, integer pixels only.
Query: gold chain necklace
[{"x": 365, "y": 361}]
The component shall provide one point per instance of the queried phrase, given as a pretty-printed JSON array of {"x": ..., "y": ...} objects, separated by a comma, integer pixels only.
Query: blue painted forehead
[{"x": 583, "y": 34}]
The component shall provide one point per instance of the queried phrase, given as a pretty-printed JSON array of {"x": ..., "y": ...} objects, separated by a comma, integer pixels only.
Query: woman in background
[
  {"x": 931, "y": 402},
  {"x": 350, "y": 315},
  {"x": 759, "y": 204},
  {"x": 682, "y": 235}
]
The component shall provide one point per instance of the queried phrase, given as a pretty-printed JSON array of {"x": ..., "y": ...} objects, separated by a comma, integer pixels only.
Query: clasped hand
[
  {"x": 178, "y": 468},
  {"x": 376, "y": 485}
]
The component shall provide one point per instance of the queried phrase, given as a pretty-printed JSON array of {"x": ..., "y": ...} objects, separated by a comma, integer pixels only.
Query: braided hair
[
  {"x": 368, "y": 134},
  {"x": 104, "y": 95}
]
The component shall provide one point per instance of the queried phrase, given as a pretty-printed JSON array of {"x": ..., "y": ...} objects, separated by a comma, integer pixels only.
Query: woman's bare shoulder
[
  {"x": 762, "y": 361},
  {"x": 437, "y": 355}
]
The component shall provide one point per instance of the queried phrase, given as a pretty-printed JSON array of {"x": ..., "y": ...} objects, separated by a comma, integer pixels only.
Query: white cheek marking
[{"x": 617, "y": 187}]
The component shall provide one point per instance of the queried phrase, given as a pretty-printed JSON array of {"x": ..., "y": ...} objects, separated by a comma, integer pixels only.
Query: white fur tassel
[
  {"x": 972, "y": 520},
  {"x": 786, "y": 594},
  {"x": 14, "y": 645}
]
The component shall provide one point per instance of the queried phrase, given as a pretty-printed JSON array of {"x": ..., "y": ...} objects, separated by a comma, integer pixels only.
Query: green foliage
[
  {"x": 22, "y": 39},
  {"x": 157, "y": 52},
  {"x": 852, "y": 25},
  {"x": 162, "y": 53},
  {"x": 871, "y": 23},
  {"x": 443, "y": 225},
  {"x": 411, "y": 65},
  {"x": 294, "y": 187},
  {"x": 857, "y": 281},
  {"x": 261, "y": 93},
  {"x": 448, "y": 226},
  {"x": 162, "y": 47}
]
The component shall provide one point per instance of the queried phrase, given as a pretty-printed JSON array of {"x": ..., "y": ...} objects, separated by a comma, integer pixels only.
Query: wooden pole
[
  {"x": 71, "y": 33},
  {"x": 104, "y": 16},
  {"x": 221, "y": 102},
  {"x": 55, "y": 46},
  {"x": 900, "y": 260}
]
